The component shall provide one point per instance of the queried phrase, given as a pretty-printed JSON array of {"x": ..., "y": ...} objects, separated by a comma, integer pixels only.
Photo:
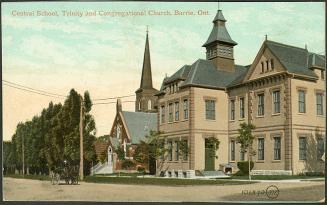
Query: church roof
[
  {"x": 139, "y": 124},
  {"x": 296, "y": 60},
  {"x": 219, "y": 32}
]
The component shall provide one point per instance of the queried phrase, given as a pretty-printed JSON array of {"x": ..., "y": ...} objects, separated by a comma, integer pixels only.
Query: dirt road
[{"x": 24, "y": 189}]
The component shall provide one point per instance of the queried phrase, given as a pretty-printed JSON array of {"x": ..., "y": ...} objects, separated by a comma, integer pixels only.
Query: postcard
[{"x": 164, "y": 101}]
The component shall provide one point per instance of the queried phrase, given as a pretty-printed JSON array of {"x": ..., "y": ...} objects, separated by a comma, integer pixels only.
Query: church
[{"x": 281, "y": 92}]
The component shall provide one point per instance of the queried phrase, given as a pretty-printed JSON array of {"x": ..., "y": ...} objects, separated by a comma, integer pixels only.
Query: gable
[
  {"x": 263, "y": 57},
  {"x": 119, "y": 121}
]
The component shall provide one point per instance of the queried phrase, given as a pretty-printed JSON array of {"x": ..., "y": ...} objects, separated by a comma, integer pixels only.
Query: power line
[
  {"x": 42, "y": 91},
  {"x": 112, "y": 102},
  {"x": 112, "y": 98},
  {"x": 31, "y": 91}
]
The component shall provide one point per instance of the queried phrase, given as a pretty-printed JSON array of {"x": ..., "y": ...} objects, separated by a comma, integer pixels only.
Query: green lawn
[
  {"x": 20, "y": 176},
  {"x": 122, "y": 174},
  {"x": 275, "y": 177},
  {"x": 161, "y": 181}
]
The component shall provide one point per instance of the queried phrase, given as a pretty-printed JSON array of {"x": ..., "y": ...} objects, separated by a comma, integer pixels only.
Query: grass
[
  {"x": 122, "y": 174},
  {"x": 275, "y": 177},
  {"x": 36, "y": 177},
  {"x": 160, "y": 181}
]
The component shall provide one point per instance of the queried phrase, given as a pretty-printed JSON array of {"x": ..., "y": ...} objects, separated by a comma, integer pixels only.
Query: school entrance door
[{"x": 209, "y": 156}]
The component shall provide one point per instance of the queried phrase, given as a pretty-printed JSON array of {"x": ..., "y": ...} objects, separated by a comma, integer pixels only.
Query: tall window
[
  {"x": 261, "y": 105},
  {"x": 185, "y": 108},
  {"x": 162, "y": 148},
  {"x": 301, "y": 101},
  {"x": 140, "y": 105},
  {"x": 176, "y": 150},
  {"x": 118, "y": 132},
  {"x": 272, "y": 64},
  {"x": 232, "y": 109},
  {"x": 170, "y": 112},
  {"x": 149, "y": 105},
  {"x": 232, "y": 150},
  {"x": 261, "y": 149},
  {"x": 162, "y": 114},
  {"x": 267, "y": 65},
  {"x": 176, "y": 111},
  {"x": 320, "y": 148},
  {"x": 302, "y": 148},
  {"x": 276, "y": 101},
  {"x": 277, "y": 148},
  {"x": 210, "y": 110},
  {"x": 242, "y": 114},
  {"x": 319, "y": 101},
  {"x": 262, "y": 67},
  {"x": 170, "y": 150},
  {"x": 185, "y": 153}
]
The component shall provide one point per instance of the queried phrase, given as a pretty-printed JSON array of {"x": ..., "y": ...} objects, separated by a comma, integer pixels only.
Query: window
[
  {"x": 242, "y": 114},
  {"x": 242, "y": 156},
  {"x": 185, "y": 108},
  {"x": 170, "y": 112},
  {"x": 272, "y": 64},
  {"x": 149, "y": 105},
  {"x": 322, "y": 74},
  {"x": 320, "y": 148},
  {"x": 301, "y": 101},
  {"x": 319, "y": 101},
  {"x": 210, "y": 110},
  {"x": 176, "y": 111},
  {"x": 163, "y": 114},
  {"x": 302, "y": 148},
  {"x": 261, "y": 149},
  {"x": 170, "y": 150},
  {"x": 262, "y": 67},
  {"x": 261, "y": 105},
  {"x": 232, "y": 109},
  {"x": 140, "y": 105},
  {"x": 162, "y": 148},
  {"x": 176, "y": 150},
  {"x": 277, "y": 148},
  {"x": 232, "y": 150},
  {"x": 276, "y": 101},
  {"x": 118, "y": 131},
  {"x": 185, "y": 153},
  {"x": 267, "y": 66}
]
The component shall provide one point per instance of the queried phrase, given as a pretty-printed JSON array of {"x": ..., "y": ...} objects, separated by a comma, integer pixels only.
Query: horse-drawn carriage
[{"x": 67, "y": 173}]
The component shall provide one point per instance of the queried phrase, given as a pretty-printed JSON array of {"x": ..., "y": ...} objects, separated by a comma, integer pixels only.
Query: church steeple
[
  {"x": 146, "y": 79},
  {"x": 146, "y": 101},
  {"x": 220, "y": 45}
]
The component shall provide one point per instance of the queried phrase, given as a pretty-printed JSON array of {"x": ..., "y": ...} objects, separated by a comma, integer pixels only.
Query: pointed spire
[
  {"x": 219, "y": 17},
  {"x": 146, "y": 80}
]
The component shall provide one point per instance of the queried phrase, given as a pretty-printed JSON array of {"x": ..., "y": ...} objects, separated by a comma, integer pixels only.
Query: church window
[
  {"x": 149, "y": 105},
  {"x": 267, "y": 66},
  {"x": 140, "y": 105},
  {"x": 262, "y": 67},
  {"x": 118, "y": 132},
  {"x": 272, "y": 64}
]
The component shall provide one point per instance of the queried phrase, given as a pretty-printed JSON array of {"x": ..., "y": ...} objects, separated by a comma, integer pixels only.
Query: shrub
[
  {"x": 244, "y": 167},
  {"x": 141, "y": 170},
  {"x": 128, "y": 164}
]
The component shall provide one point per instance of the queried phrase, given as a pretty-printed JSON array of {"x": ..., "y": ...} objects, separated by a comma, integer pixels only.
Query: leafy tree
[
  {"x": 245, "y": 139},
  {"x": 214, "y": 143}
]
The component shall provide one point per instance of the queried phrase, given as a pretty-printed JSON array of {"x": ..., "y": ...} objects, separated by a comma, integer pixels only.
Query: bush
[
  {"x": 128, "y": 164},
  {"x": 244, "y": 167},
  {"x": 141, "y": 170}
]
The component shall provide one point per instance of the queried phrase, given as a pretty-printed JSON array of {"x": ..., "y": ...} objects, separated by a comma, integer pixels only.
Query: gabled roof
[
  {"x": 139, "y": 124},
  {"x": 294, "y": 59},
  {"x": 204, "y": 73},
  {"x": 182, "y": 73}
]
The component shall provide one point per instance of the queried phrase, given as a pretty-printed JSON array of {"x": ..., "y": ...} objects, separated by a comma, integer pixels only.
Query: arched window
[
  {"x": 149, "y": 105},
  {"x": 118, "y": 131}
]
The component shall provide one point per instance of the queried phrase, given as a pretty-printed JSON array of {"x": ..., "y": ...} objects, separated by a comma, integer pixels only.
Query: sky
[{"x": 104, "y": 54}]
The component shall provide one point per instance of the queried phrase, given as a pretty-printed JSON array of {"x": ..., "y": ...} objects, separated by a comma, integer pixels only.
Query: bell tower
[
  {"x": 220, "y": 46},
  {"x": 146, "y": 101}
]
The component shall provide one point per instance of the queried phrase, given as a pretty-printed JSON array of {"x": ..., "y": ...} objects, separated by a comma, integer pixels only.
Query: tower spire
[{"x": 146, "y": 79}]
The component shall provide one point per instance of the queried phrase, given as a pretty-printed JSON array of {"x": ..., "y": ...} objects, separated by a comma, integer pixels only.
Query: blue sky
[{"x": 104, "y": 54}]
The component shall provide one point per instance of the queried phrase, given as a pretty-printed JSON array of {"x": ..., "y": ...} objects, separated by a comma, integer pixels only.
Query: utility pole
[
  {"x": 23, "y": 155},
  {"x": 81, "y": 164}
]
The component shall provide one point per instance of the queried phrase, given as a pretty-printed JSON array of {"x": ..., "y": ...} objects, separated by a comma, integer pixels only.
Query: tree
[{"x": 245, "y": 139}]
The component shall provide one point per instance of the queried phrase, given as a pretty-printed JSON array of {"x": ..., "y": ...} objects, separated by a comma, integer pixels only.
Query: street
[{"x": 33, "y": 190}]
